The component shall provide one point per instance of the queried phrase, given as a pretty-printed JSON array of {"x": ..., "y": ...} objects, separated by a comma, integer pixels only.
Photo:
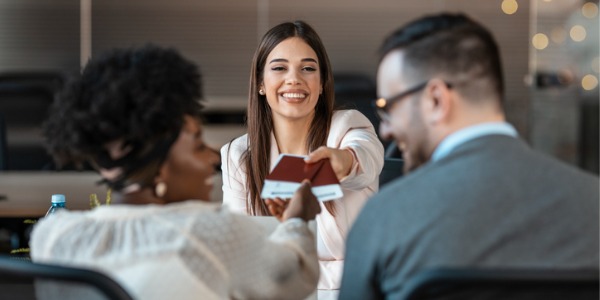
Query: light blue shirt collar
[{"x": 472, "y": 132}]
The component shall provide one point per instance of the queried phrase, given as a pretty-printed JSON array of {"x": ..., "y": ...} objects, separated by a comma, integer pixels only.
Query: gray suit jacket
[{"x": 492, "y": 202}]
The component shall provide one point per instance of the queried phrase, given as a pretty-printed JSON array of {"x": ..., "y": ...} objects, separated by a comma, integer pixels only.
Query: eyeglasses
[{"x": 382, "y": 105}]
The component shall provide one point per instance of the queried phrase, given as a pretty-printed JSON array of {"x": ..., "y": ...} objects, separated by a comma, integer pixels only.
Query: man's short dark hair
[{"x": 450, "y": 45}]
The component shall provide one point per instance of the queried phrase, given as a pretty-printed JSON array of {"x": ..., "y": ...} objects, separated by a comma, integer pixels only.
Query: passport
[{"x": 291, "y": 170}]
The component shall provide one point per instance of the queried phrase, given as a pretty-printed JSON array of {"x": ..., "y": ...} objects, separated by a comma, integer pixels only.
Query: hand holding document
[
  {"x": 303, "y": 205},
  {"x": 289, "y": 172}
]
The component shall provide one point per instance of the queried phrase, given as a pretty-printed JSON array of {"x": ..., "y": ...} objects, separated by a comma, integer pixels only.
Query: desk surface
[{"x": 27, "y": 194}]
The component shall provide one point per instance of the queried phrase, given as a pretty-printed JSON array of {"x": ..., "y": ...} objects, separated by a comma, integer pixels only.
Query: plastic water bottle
[{"x": 58, "y": 203}]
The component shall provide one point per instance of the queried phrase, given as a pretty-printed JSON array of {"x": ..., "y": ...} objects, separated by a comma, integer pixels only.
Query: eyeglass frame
[{"x": 382, "y": 105}]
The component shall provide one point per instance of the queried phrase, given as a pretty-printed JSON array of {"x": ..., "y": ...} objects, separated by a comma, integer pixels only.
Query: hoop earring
[
  {"x": 160, "y": 189},
  {"x": 261, "y": 92}
]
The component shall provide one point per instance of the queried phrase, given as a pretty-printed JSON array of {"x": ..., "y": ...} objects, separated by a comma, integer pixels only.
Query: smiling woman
[
  {"x": 290, "y": 110},
  {"x": 292, "y": 83}
]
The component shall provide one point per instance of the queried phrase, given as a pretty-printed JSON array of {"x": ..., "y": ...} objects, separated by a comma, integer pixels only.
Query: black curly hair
[{"x": 138, "y": 96}]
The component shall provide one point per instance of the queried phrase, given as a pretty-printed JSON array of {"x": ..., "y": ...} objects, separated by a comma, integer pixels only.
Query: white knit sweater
[{"x": 188, "y": 250}]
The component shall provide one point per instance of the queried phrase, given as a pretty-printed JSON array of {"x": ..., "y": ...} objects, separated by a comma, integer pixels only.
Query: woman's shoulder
[
  {"x": 349, "y": 118},
  {"x": 210, "y": 218},
  {"x": 236, "y": 147},
  {"x": 193, "y": 205},
  {"x": 116, "y": 223}
]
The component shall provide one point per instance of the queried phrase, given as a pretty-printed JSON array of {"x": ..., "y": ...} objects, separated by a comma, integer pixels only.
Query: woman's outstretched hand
[{"x": 341, "y": 159}]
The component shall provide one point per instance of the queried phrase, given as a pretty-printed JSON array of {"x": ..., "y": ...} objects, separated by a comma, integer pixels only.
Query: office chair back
[
  {"x": 25, "y": 99},
  {"x": 22, "y": 279},
  {"x": 547, "y": 284}
]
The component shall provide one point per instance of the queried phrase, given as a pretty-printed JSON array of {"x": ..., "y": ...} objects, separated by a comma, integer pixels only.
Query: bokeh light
[
  {"x": 589, "y": 82},
  {"x": 540, "y": 41},
  {"x": 577, "y": 33},
  {"x": 510, "y": 7},
  {"x": 589, "y": 10}
]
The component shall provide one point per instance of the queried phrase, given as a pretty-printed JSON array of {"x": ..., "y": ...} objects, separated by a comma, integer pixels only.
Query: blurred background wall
[{"x": 546, "y": 98}]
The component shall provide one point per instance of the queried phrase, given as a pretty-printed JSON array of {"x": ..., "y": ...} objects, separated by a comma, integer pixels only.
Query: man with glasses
[{"x": 475, "y": 195}]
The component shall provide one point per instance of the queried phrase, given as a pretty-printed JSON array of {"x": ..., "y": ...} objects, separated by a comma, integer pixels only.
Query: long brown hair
[{"x": 259, "y": 120}]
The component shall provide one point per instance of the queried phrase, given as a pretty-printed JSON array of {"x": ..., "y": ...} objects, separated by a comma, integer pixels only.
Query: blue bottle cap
[{"x": 58, "y": 198}]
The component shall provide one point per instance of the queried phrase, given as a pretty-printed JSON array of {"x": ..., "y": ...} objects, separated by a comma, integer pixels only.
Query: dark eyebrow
[
  {"x": 278, "y": 60},
  {"x": 285, "y": 60}
]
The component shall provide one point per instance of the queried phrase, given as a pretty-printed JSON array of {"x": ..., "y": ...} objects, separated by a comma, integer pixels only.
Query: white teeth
[{"x": 294, "y": 95}]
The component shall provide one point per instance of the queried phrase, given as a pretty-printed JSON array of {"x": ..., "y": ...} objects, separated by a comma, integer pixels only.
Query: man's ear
[{"x": 438, "y": 104}]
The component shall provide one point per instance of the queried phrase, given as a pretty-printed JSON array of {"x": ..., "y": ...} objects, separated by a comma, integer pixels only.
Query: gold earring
[
  {"x": 261, "y": 92},
  {"x": 160, "y": 189}
]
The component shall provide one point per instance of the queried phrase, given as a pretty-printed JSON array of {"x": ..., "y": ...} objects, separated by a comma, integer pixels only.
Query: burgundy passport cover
[
  {"x": 294, "y": 169},
  {"x": 290, "y": 171}
]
